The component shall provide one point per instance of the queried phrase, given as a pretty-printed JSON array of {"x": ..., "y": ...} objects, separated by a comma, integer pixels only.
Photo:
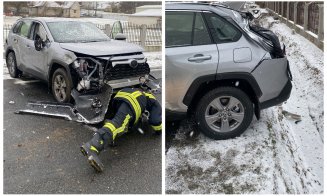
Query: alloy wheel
[{"x": 224, "y": 114}]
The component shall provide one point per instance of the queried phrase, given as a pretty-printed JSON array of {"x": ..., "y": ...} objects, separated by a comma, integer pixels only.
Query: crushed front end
[{"x": 93, "y": 80}]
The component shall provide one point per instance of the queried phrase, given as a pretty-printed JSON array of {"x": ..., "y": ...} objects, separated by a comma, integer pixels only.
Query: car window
[
  {"x": 179, "y": 28},
  {"x": 186, "y": 29},
  {"x": 39, "y": 32},
  {"x": 116, "y": 28},
  {"x": 24, "y": 28},
  {"x": 222, "y": 30},
  {"x": 201, "y": 34},
  {"x": 16, "y": 27},
  {"x": 75, "y": 31}
]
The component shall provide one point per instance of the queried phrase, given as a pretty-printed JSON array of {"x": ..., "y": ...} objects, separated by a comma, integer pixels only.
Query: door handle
[
  {"x": 199, "y": 58},
  {"x": 29, "y": 47},
  {"x": 15, "y": 40}
]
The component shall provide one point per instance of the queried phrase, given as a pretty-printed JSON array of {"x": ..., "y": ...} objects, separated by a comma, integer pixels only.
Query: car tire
[
  {"x": 224, "y": 113},
  {"x": 12, "y": 65},
  {"x": 61, "y": 86}
]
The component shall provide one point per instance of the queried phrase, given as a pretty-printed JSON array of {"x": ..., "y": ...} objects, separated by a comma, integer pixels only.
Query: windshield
[{"x": 74, "y": 31}]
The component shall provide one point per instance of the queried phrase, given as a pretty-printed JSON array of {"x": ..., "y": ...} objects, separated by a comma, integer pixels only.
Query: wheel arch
[
  {"x": 8, "y": 50},
  {"x": 204, "y": 84}
]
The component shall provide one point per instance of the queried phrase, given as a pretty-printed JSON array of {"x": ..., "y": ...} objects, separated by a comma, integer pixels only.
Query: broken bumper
[{"x": 89, "y": 108}]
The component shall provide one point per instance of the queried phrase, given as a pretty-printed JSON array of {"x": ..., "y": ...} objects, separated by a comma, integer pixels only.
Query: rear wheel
[
  {"x": 61, "y": 86},
  {"x": 12, "y": 65},
  {"x": 224, "y": 113}
]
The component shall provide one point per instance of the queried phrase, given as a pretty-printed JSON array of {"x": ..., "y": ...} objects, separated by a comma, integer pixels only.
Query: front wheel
[
  {"x": 61, "y": 86},
  {"x": 224, "y": 113}
]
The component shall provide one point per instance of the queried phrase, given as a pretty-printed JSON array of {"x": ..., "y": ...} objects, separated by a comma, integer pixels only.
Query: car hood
[{"x": 111, "y": 47}]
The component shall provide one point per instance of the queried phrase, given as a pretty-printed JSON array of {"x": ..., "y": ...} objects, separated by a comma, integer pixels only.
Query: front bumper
[{"x": 283, "y": 96}]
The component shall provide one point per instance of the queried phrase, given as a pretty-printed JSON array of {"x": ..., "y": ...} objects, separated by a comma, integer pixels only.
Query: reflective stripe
[
  {"x": 123, "y": 126},
  {"x": 136, "y": 94},
  {"x": 94, "y": 149},
  {"x": 133, "y": 101},
  {"x": 157, "y": 128},
  {"x": 150, "y": 95},
  {"x": 110, "y": 126}
]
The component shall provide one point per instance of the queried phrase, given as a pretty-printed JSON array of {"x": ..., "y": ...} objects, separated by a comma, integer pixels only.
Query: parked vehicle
[
  {"x": 220, "y": 69},
  {"x": 70, "y": 54}
]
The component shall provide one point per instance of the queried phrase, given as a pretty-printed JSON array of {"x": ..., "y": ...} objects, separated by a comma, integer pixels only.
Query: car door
[
  {"x": 235, "y": 51},
  {"x": 13, "y": 39},
  {"x": 18, "y": 41},
  {"x": 190, "y": 54},
  {"x": 37, "y": 60}
]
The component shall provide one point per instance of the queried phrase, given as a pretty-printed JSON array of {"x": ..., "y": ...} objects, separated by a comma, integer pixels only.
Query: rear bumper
[{"x": 283, "y": 96}]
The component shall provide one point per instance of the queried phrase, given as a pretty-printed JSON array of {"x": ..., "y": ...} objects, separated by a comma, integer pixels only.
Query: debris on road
[
  {"x": 12, "y": 102},
  {"x": 291, "y": 115}
]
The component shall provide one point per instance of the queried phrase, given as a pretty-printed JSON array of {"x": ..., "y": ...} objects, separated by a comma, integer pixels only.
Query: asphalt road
[{"x": 41, "y": 154}]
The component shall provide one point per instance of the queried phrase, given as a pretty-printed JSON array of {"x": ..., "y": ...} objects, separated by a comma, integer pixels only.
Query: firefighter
[{"x": 129, "y": 104}]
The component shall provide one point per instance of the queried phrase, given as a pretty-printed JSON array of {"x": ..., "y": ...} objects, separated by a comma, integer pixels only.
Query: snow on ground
[
  {"x": 154, "y": 59},
  {"x": 275, "y": 154}
]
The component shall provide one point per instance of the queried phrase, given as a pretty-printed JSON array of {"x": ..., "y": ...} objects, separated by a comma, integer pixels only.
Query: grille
[{"x": 125, "y": 71}]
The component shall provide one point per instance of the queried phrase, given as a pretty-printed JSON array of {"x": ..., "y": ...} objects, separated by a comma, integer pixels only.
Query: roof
[
  {"x": 200, "y": 7},
  {"x": 149, "y": 12},
  {"x": 45, "y": 3},
  {"x": 37, "y": 3},
  {"x": 69, "y": 4}
]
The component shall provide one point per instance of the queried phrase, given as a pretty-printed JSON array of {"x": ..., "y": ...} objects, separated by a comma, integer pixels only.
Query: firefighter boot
[{"x": 91, "y": 150}]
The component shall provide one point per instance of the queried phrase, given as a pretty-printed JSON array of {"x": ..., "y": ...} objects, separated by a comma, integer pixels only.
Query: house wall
[
  {"x": 66, "y": 13},
  {"x": 53, "y": 12},
  {"x": 40, "y": 11},
  {"x": 32, "y": 11},
  {"x": 75, "y": 11}
]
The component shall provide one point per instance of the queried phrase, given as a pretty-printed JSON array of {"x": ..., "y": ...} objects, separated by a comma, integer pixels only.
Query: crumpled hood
[{"x": 102, "y": 48}]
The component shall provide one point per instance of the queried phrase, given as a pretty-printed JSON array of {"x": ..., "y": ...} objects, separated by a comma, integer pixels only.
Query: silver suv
[
  {"x": 70, "y": 54},
  {"x": 221, "y": 69}
]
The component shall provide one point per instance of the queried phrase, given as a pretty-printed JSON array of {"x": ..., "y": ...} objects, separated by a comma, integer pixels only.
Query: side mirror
[
  {"x": 38, "y": 44},
  {"x": 120, "y": 36}
]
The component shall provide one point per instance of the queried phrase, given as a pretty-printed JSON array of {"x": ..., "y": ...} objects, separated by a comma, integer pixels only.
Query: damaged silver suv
[
  {"x": 70, "y": 54},
  {"x": 220, "y": 69}
]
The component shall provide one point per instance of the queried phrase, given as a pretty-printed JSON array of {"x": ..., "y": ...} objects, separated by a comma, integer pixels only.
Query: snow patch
[{"x": 275, "y": 154}]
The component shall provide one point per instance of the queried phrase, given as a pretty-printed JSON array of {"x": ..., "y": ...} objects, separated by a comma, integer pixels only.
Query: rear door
[
  {"x": 18, "y": 42},
  {"x": 190, "y": 53}
]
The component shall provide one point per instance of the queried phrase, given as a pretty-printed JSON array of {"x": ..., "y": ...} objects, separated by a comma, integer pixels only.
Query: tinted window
[
  {"x": 16, "y": 27},
  {"x": 179, "y": 28},
  {"x": 185, "y": 29},
  {"x": 38, "y": 32},
  {"x": 221, "y": 29},
  {"x": 201, "y": 34},
  {"x": 24, "y": 28}
]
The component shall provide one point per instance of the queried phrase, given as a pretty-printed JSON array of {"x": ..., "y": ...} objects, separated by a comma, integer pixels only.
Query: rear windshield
[{"x": 75, "y": 31}]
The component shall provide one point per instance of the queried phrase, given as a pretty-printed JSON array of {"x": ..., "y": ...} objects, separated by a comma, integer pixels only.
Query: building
[
  {"x": 71, "y": 9},
  {"x": 147, "y": 14},
  {"x": 45, "y": 8}
]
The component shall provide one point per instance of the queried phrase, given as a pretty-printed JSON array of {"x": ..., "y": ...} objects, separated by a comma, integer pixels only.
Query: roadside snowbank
[{"x": 275, "y": 155}]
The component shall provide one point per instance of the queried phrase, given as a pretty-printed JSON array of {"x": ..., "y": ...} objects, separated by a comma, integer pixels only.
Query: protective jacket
[{"x": 130, "y": 103}]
